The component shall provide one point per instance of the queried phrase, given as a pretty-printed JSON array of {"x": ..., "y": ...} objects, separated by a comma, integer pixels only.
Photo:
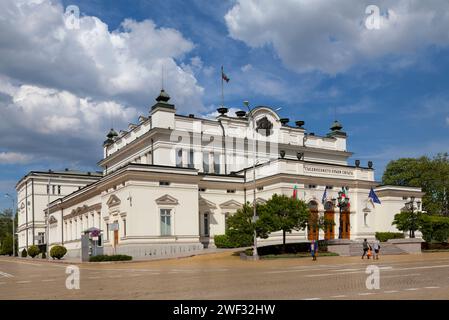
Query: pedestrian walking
[
  {"x": 314, "y": 249},
  {"x": 376, "y": 247},
  {"x": 365, "y": 246}
]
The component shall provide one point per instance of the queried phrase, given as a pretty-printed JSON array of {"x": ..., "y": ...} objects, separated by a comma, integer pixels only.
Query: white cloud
[
  {"x": 330, "y": 35},
  {"x": 14, "y": 158},
  {"x": 61, "y": 88},
  {"x": 124, "y": 64}
]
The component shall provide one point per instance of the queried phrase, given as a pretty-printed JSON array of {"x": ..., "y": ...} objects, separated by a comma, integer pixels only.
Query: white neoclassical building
[{"x": 170, "y": 181}]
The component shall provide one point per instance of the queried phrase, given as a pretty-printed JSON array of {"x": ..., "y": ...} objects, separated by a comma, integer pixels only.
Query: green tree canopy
[
  {"x": 431, "y": 174},
  {"x": 287, "y": 214}
]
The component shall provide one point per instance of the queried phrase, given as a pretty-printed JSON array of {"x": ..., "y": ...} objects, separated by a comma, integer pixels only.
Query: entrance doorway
[
  {"x": 329, "y": 215},
  {"x": 345, "y": 225},
  {"x": 312, "y": 227}
]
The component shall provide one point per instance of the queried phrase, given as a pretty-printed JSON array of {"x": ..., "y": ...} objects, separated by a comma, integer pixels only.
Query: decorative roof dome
[
  {"x": 336, "y": 126},
  {"x": 336, "y": 130},
  {"x": 112, "y": 134},
  {"x": 163, "y": 96},
  {"x": 110, "y": 137}
]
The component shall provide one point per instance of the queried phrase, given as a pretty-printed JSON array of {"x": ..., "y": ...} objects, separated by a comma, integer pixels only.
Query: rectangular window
[
  {"x": 191, "y": 161},
  {"x": 206, "y": 224},
  {"x": 164, "y": 183},
  {"x": 124, "y": 228},
  {"x": 40, "y": 237},
  {"x": 216, "y": 157},
  {"x": 53, "y": 187},
  {"x": 165, "y": 222},
  {"x": 230, "y": 191},
  {"x": 179, "y": 157},
  {"x": 206, "y": 162},
  {"x": 59, "y": 189},
  {"x": 259, "y": 188},
  {"x": 107, "y": 231},
  {"x": 202, "y": 190},
  {"x": 48, "y": 190}
]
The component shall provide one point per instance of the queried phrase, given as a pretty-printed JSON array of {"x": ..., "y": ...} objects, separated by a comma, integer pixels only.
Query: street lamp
[
  {"x": 250, "y": 115},
  {"x": 47, "y": 218},
  {"x": 411, "y": 207},
  {"x": 7, "y": 195}
]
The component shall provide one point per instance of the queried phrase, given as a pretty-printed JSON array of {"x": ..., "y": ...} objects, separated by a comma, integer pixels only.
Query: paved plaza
[{"x": 224, "y": 276}]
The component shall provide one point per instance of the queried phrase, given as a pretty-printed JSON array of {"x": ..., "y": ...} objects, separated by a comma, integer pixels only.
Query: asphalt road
[{"x": 223, "y": 276}]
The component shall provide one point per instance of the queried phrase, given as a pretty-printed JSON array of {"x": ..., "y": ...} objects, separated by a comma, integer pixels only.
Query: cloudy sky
[{"x": 62, "y": 87}]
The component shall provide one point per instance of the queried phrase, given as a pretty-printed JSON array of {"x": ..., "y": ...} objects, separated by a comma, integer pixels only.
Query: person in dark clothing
[{"x": 365, "y": 248}]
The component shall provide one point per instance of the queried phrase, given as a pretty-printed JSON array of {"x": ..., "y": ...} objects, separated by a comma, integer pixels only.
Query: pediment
[
  {"x": 167, "y": 200},
  {"x": 231, "y": 204},
  {"x": 113, "y": 201},
  {"x": 206, "y": 203},
  {"x": 52, "y": 220}
]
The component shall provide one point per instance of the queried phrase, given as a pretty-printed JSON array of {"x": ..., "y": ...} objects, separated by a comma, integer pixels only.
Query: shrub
[
  {"x": 33, "y": 251},
  {"x": 384, "y": 236},
  {"x": 58, "y": 252},
  {"x": 233, "y": 240},
  {"x": 24, "y": 253},
  {"x": 116, "y": 257}
]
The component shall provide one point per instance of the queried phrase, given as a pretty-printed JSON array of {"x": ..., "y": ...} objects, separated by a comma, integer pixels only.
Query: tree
[
  {"x": 6, "y": 231},
  {"x": 407, "y": 222},
  {"x": 240, "y": 226},
  {"x": 286, "y": 214},
  {"x": 6, "y": 245},
  {"x": 434, "y": 228},
  {"x": 432, "y": 175}
]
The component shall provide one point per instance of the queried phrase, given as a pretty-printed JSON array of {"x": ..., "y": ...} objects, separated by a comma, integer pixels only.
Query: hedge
[
  {"x": 116, "y": 257},
  {"x": 234, "y": 240},
  {"x": 385, "y": 236},
  {"x": 290, "y": 248},
  {"x": 58, "y": 252}
]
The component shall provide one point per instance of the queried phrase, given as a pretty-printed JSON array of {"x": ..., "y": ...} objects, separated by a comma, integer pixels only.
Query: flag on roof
[
  {"x": 224, "y": 76},
  {"x": 295, "y": 192}
]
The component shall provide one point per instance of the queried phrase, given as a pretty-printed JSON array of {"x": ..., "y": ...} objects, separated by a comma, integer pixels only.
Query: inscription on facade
[{"x": 324, "y": 170}]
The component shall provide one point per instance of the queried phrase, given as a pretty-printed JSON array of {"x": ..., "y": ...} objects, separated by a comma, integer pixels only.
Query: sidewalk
[{"x": 139, "y": 259}]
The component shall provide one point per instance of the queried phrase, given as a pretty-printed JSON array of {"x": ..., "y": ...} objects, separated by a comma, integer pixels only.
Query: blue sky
[{"x": 61, "y": 89}]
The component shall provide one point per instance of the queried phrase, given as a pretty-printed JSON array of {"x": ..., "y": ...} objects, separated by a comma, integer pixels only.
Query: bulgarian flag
[
  {"x": 344, "y": 196},
  {"x": 295, "y": 192},
  {"x": 224, "y": 76}
]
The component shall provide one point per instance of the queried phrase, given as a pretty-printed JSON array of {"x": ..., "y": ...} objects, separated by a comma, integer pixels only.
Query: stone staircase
[{"x": 356, "y": 249}]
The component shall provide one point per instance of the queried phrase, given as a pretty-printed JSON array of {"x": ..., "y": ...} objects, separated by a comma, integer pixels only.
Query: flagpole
[{"x": 222, "y": 85}]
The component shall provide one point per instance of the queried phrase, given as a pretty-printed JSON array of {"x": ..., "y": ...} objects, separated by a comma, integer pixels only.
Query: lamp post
[
  {"x": 411, "y": 205},
  {"x": 13, "y": 224},
  {"x": 255, "y": 254},
  {"x": 47, "y": 218}
]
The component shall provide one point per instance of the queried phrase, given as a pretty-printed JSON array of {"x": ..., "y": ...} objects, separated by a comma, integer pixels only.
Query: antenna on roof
[{"x": 162, "y": 77}]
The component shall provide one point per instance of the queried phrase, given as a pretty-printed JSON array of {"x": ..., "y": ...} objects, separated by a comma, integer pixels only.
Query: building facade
[
  {"x": 35, "y": 191},
  {"x": 170, "y": 181}
]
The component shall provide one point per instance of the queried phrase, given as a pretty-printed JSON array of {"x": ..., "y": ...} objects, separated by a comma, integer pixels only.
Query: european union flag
[{"x": 373, "y": 196}]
